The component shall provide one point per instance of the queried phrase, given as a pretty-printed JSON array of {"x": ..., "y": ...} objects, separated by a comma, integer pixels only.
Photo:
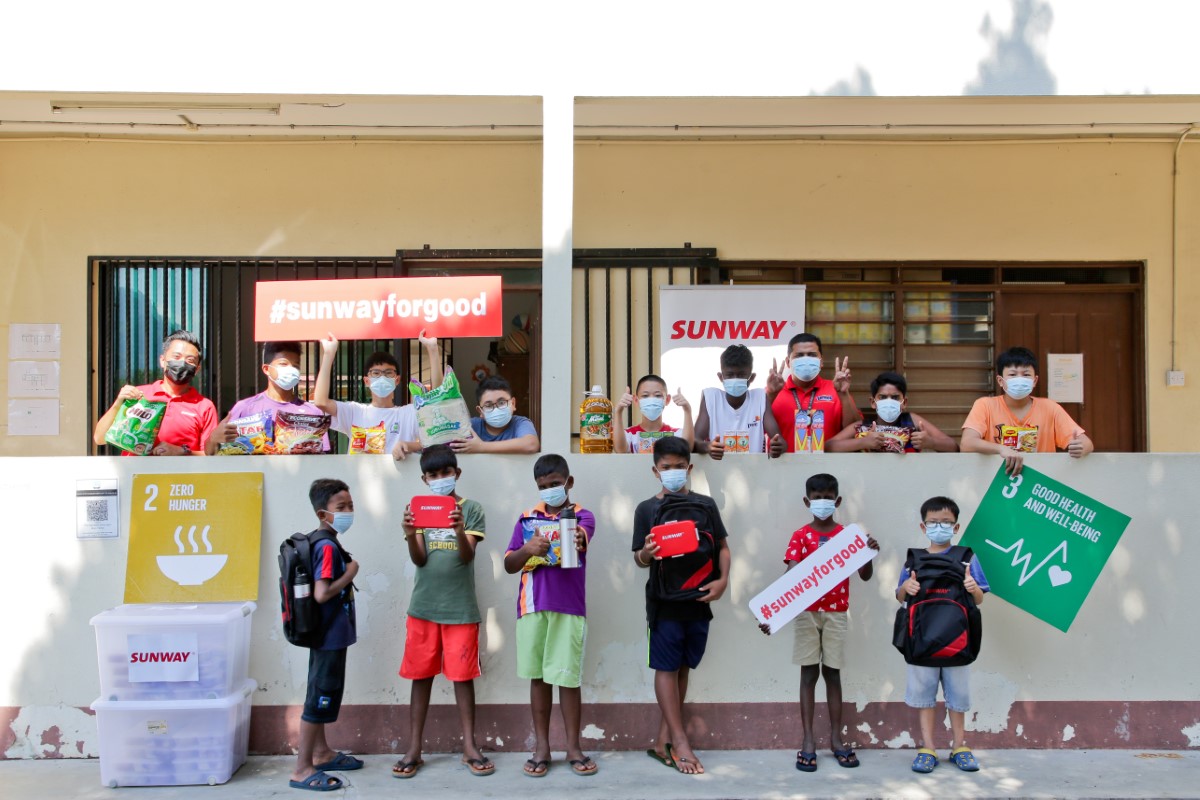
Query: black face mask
[{"x": 180, "y": 371}]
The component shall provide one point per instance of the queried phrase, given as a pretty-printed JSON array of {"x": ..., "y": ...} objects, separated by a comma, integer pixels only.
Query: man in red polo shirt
[
  {"x": 190, "y": 416},
  {"x": 822, "y": 407}
]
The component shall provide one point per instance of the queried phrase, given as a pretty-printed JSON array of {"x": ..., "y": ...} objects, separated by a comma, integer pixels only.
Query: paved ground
[{"x": 730, "y": 774}]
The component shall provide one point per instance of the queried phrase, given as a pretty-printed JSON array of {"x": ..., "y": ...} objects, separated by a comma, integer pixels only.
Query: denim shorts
[{"x": 921, "y": 691}]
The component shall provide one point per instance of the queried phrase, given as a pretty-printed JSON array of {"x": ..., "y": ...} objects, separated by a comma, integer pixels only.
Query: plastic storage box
[
  {"x": 217, "y": 636},
  {"x": 173, "y": 743}
]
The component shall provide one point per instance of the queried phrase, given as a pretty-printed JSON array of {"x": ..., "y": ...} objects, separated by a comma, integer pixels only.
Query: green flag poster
[{"x": 1042, "y": 544}]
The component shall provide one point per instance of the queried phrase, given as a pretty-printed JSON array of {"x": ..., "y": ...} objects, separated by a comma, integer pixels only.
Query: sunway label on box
[{"x": 169, "y": 657}]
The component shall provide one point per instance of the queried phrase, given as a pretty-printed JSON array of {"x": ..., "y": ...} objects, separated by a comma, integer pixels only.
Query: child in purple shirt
[{"x": 551, "y": 613}]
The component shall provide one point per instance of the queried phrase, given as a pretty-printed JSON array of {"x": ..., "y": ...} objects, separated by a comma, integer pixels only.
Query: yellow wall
[{"x": 61, "y": 201}]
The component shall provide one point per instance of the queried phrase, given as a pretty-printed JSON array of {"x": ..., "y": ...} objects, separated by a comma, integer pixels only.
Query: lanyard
[{"x": 812, "y": 400}]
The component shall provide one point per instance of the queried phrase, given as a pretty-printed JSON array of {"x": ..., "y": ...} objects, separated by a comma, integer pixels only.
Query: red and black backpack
[{"x": 939, "y": 626}]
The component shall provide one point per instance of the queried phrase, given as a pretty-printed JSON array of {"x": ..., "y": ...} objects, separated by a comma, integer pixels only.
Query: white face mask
[
  {"x": 383, "y": 386},
  {"x": 443, "y": 486},
  {"x": 821, "y": 508},
  {"x": 736, "y": 387},
  {"x": 805, "y": 368},
  {"x": 1018, "y": 388},
  {"x": 652, "y": 407},
  {"x": 888, "y": 410},
  {"x": 286, "y": 378}
]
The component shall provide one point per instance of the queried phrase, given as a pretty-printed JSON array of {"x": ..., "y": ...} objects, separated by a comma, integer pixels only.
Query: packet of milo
[
  {"x": 442, "y": 414},
  {"x": 136, "y": 425}
]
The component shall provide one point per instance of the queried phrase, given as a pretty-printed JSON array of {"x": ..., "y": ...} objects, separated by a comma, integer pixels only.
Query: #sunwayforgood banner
[
  {"x": 379, "y": 308},
  {"x": 696, "y": 323}
]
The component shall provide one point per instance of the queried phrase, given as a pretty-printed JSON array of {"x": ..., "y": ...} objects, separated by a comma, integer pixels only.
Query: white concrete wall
[{"x": 1130, "y": 641}]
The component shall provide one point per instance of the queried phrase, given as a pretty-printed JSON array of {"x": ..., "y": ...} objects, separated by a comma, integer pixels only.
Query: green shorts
[{"x": 550, "y": 648}]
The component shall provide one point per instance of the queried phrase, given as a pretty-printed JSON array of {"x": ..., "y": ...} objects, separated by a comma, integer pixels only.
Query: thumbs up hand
[
  {"x": 626, "y": 400},
  {"x": 912, "y": 585},
  {"x": 918, "y": 436}
]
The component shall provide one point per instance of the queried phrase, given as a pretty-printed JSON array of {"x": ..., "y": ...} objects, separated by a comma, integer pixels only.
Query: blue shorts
[
  {"x": 674, "y": 644},
  {"x": 921, "y": 691}
]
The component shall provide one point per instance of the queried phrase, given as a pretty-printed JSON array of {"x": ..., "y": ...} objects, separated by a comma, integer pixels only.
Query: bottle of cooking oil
[{"x": 595, "y": 422}]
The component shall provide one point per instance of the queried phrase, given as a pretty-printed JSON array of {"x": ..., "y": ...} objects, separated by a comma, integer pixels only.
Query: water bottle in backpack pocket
[
  {"x": 679, "y": 578},
  {"x": 939, "y": 626}
]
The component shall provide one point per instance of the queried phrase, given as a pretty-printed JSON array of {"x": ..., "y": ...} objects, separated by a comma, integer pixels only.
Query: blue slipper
[
  {"x": 846, "y": 758},
  {"x": 318, "y": 782},
  {"x": 925, "y": 761},
  {"x": 806, "y": 762},
  {"x": 964, "y": 759},
  {"x": 342, "y": 762}
]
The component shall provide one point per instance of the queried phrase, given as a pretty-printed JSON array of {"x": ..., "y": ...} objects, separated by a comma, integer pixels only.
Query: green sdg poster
[{"x": 1042, "y": 544}]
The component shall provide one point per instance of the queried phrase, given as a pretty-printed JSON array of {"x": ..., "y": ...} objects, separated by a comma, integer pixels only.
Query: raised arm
[{"x": 321, "y": 398}]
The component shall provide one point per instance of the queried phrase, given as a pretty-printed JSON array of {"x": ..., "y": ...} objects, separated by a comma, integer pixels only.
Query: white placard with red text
[
  {"x": 157, "y": 657},
  {"x": 813, "y": 578},
  {"x": 696, "y": 323}
]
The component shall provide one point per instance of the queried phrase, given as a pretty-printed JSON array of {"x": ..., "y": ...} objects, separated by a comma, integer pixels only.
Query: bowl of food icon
[{"x": 193, "y": 569}]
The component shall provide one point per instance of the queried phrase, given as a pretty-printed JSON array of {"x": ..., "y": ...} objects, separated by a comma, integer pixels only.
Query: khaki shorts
[{"x": 820, "y": 638}]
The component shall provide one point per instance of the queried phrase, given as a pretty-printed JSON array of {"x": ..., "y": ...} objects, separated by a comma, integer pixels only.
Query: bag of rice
[
  {"x": 297, "y": 434},
  {"x": 442, "y": 414},
  {"x": 367, "y": 441},
  {"x": 136, "y": 425}
]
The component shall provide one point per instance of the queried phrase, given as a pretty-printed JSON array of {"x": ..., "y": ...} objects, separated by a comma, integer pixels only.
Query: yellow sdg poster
[{"x": 194, "y": 538}]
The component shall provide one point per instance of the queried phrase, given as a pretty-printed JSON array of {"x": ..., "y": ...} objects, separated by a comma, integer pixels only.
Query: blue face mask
[
  {"x": 554, "y": 497},
  {"x": 498, "y": 417},
  {"x": 286, "y": 378},
  {"x": 342, "y": 520},
  {"x": 383, "y": 386},
  {"x": 888, "y": 410},
  {"x": 805, "y": 368},
  {"x": 736, "y": 387},
  {"x": 939, "y": 532},
  {"x": 673, "y": 479},
  {"x": 443, "y": 486},
  {"x": 822, "y": 509},
  {"x": 652, "y": 407},
  {"x": 1018, "y": 388}
]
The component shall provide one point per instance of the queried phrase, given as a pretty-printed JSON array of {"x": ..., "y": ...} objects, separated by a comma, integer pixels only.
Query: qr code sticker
[{"x": 97, "y": 510}]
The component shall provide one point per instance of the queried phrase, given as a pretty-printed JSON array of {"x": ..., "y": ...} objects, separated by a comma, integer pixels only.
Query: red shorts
[{"x": 431, "y": 648}]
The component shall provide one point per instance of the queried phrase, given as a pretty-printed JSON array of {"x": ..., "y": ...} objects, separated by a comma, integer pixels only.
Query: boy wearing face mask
[
  {"x": 677, "y": 630},
  {"x": 736, "y": 418},
  {"x": 190, "y": 416},
  {"x": 381, "y": 376},
  {"x": 281, "y": 365},
  {"x": 442, "y": 628},
  {"x": 821, "y": 629},
  {"x": 939, "y": 521},
  {"x": 651, "y": 399},
  {"x": 552, "y": 616},
  {"x": 896, "y": 429},
  {"x": 333, "y": 574},
  {"x": 498, "y": 428},
  {"x": 808, "y": 398},
  {"x": 1016, "y": 422}
]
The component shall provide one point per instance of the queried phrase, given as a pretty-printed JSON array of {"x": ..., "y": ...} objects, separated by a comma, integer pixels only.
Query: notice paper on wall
[
  {"x": 1066, "y": 377},
  {"x": 33, "y": 379},
  {"x": 33, "y": 417},
  {"x": 97, "y": 512},
  {"x": 41, "y": 340}
]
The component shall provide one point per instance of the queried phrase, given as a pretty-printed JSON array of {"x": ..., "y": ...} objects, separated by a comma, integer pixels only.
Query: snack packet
[
  {"x": 1019, "y": 438},
  {"x": 442, "y": 414},
  {"x": 136, "y": 425},
  {"x": 255, "y": 436},
  {"x": 548, "y": 528},
  {"x": 367, "y": 441},
  {"x": 895, "y": 437},
  {"x": 297, "y": 434}
]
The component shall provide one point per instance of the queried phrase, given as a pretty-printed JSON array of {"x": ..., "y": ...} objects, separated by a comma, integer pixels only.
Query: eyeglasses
[
  {"x": 379, "y": 373},
  {"x": 499, "y": 405}
]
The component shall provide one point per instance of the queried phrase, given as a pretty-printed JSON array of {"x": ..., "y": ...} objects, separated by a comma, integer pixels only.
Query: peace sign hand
[
  {"x": 774, "y": 379},
  {"x": 841, "y": 375}
]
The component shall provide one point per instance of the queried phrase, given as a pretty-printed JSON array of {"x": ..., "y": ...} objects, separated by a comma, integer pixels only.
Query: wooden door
[{"x": 1105, "y": 326}]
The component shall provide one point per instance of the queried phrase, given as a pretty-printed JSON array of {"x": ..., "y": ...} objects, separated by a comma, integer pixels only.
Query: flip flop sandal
[
  {"x": 964, "y": 759},
  {"x": 406, "y": 769},
  {"x": 342, "y": 762},
  {"x": 666, "y": 761},
  {"x": 846, "y": 758},
  {"x": 925, "y": 761},
  {"x": 806, "y": 762},
  {"x": 536, "y": 769},
  {"x": 480, "y": 767},
  {"x": 584, "y": 767},
  {"x": 318, "y": 782}
]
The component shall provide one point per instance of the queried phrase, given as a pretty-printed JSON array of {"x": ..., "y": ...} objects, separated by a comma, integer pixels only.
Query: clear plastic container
[
  {"x": 173, "y": 742},
  {"x": 222, "y": 642}
]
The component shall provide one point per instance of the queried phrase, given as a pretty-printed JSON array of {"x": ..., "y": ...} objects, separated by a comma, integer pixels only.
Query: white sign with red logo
[
  {"x": 696, "y": 323},
  {"x": 172, "y": 657},
  {"x": 378, "y": 308},
  {"x": 813, "y": 578}
]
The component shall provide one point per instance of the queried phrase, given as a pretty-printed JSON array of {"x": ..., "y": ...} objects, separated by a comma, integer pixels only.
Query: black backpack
[
  {"x": 939, "y": 626},
  {"x": 679, "y": 578},
  {"x": 302, "y": 623}
]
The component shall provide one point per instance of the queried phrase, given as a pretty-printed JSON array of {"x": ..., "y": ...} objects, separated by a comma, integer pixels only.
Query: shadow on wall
[
  {"x": 858, "y": 85},
  {"x": 1016, "y": 64}
]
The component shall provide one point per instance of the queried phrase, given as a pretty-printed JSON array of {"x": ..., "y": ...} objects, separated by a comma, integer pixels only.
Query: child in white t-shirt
[
  {"x": 736, "y": 418},
  {"x": 651, "y": 399}
]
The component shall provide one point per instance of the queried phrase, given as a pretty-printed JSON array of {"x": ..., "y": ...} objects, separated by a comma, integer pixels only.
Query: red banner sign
[{"x": 378, "y": 308}]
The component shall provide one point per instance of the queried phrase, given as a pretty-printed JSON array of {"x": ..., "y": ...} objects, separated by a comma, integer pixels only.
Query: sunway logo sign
[
  {"x": 176, "y": 657},
  {"x": 169, "y": 657},
  {"x": 731, "y": 330}
]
